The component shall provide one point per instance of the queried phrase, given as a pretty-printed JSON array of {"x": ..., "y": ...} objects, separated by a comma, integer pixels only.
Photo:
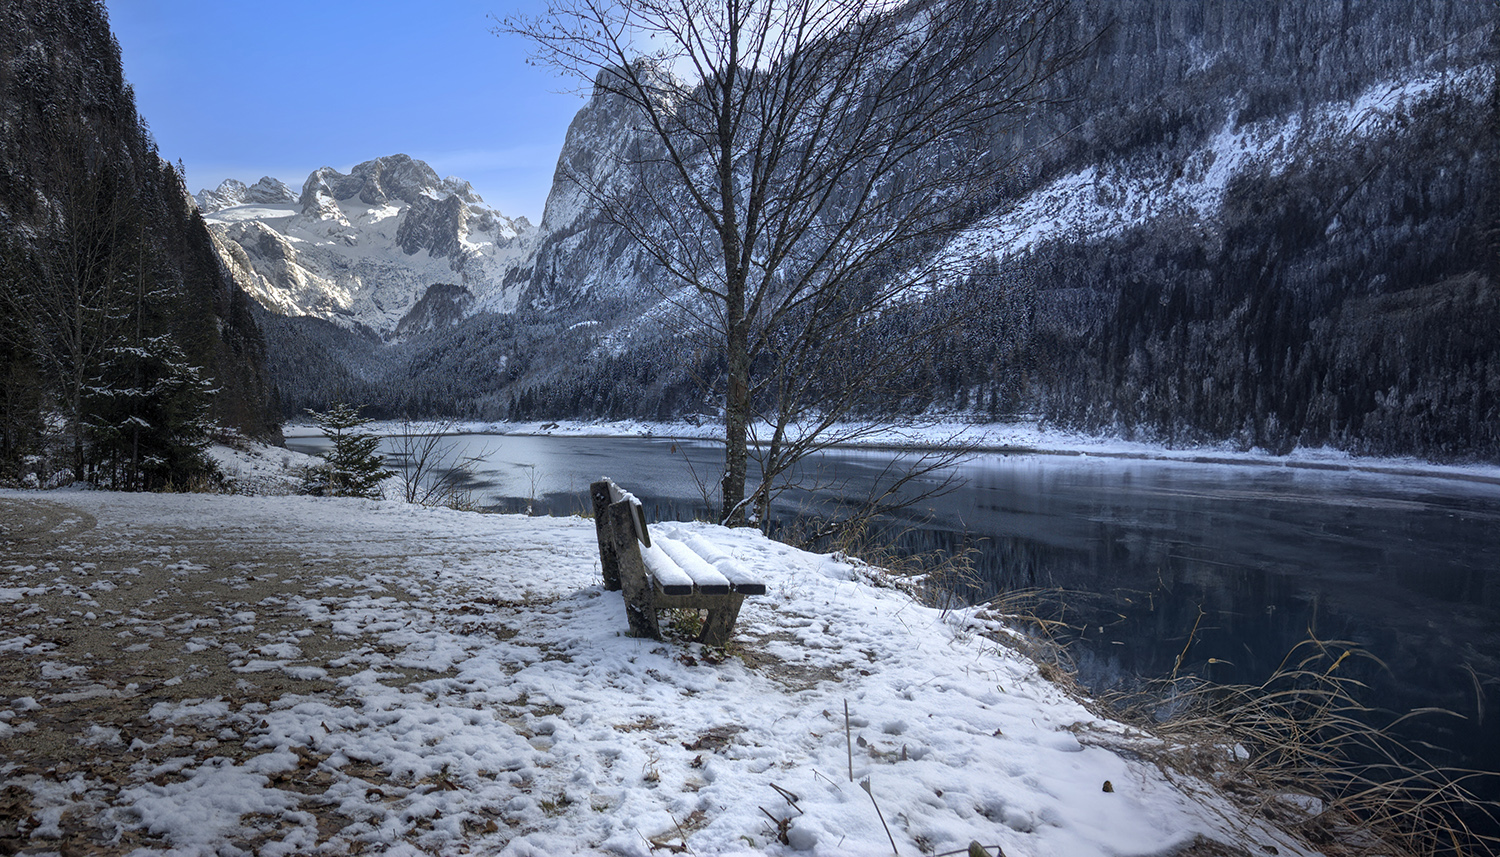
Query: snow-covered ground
[
  {"x": 197, "y": 674},
  {"x": 251, "y": 467}
]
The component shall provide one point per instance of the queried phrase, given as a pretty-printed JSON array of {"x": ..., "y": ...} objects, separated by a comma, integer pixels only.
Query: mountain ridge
[
  {"x": 362, "y": 249},
  {"x": 1217, "y": 235}
]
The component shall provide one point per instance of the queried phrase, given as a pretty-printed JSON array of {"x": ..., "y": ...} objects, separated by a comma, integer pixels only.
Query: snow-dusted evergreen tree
[
  {"x": 148, "y": 418},
  {"x": 353, "y": 468}
]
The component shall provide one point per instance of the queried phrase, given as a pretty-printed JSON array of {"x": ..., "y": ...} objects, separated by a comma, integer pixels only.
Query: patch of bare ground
[{"x": 107, "y": 625}]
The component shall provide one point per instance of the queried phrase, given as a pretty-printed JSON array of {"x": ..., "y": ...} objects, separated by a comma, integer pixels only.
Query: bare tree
[
  {"x": 73, "y": 300},
  {"x": 795, "y": 186},
  {"x": 433, "y": 470}
]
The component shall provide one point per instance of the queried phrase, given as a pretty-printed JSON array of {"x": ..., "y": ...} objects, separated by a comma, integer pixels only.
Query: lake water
[{"x": 1227, "y": 567}]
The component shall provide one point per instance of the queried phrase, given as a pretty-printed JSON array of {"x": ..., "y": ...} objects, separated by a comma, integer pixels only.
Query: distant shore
[{"x": 1002, "y": 438}]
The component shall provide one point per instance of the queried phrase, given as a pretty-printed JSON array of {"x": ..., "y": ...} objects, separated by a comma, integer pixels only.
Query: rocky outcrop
[
  {"x": 319, "y": 200},
  {"x": 384, "y": 180},
  {"x": 443, "y": 306},
  {"x": 437, "y": 226},
  {"x": 229, "y": 193},
  {"x": 233, "y": 192},
  {"x": 583, "y": 260},
  {"x": 269, "y": 191}
]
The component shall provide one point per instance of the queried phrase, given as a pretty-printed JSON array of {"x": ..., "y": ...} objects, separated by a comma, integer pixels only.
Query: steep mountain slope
[
  {"x": 579, "y": 259},
  {"x": 117, "y": 317},
  {"x": 1270, "y": 224},
  {"x": 362, "y": 249},
  {"x": 1267, "y": 224},
  {"x": 1303, "y": 279}
]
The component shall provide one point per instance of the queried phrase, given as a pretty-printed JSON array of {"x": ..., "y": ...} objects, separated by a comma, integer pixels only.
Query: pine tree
[
  {"x": 353, "y": 468},
  {"x": 148, "y": 420}
]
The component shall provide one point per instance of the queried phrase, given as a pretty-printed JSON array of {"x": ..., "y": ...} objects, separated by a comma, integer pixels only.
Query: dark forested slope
[
  {"x": 121, "y": 335},
  {"x": 1343, "y": 289}
]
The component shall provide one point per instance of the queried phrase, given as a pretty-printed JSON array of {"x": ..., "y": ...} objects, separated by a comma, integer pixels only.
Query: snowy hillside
[
  {"x": 1258, "y": 224},
  {"x": 1104, "y": 200},
  {"x": 301, "y": 675},
  {"x": 364, "y": 248}
]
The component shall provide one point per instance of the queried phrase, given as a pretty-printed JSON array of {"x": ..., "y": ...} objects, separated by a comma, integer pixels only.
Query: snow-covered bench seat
[{"x": 672, "y": 569}]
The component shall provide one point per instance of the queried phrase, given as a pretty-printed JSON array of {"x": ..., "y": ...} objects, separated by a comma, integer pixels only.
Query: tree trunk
[
  {"x": 768, "y": 474},
  {"x": 75, "y": 399},
  {"x": 736, "y": 421}
]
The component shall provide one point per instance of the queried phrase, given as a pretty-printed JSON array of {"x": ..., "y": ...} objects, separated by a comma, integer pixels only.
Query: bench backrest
[{"x": 638, "y": 512}]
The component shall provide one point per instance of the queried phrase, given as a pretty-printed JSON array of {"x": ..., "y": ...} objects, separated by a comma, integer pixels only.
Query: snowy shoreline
[
  {"x": 298, "y": 674},
  {"x": 1019, "y": 438}
]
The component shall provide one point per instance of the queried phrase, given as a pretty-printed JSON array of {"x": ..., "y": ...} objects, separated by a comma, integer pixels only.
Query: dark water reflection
[
  {"x": 1407, "y": 568},
  {"x": 1233, "y": 565}
]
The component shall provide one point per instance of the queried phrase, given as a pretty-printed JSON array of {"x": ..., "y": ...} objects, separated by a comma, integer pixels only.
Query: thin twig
[
  {"x": 849, "y": 740},
  {"x": 790, "y": 797},
  {"x": 1191, "y": 635},
  {"x": 865, "y": 784}
]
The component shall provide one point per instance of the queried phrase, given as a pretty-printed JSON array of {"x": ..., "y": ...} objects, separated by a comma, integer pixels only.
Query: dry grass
[
  {"x": 939, "y": 578},
  {"x": 1302, "y": 750}
]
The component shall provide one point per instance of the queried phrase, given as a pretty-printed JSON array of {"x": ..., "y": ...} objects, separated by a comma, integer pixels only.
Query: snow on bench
[
  {"x": 700, "y": 548},
  {"x": 676, "y": 569},
  {"x": 679, "y": 570}
]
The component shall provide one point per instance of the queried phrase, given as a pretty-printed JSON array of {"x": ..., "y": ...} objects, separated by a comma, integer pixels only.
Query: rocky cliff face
[
  {"x": 232, "y": 192},
  {"x": 361, "y": 249},
  {"x": 581, "y": 259}
]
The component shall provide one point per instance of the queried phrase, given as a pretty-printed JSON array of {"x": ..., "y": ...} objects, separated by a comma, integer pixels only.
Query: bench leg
[
  {"x": 642, "y": 621},
  {"x": 719, "y": 624},
  {"x": 640, "y": 611}
]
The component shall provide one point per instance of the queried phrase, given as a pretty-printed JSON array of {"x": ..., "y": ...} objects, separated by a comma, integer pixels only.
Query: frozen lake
[{"x": 1407, "y": 567}]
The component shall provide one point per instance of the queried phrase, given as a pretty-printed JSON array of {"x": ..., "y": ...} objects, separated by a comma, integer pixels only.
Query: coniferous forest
[{"x": 123, "y": 342}]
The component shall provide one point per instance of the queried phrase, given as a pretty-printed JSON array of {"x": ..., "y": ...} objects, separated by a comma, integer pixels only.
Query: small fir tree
[{"x": 352, "y": 468}]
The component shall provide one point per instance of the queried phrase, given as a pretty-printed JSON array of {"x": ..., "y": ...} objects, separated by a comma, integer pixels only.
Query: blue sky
[{"x": 282, "y": 87}]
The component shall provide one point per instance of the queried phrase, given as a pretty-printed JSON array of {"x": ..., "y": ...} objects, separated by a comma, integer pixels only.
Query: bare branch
[{"x": 790, "y": 159}]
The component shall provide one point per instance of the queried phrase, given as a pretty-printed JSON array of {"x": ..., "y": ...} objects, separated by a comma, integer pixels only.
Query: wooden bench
[{"x": 673, "y": 569}]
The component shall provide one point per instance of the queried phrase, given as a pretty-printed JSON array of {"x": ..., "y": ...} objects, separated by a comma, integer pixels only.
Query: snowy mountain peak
[
  {"x": 269, "y": 191},
  {"x": 362, "y": 248},
  {"x": 461, "y": 189},
  {"x": 319, "y": 200},
  {"x": 232, "y": 192},
  {"x": 384, "y": 180}
]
